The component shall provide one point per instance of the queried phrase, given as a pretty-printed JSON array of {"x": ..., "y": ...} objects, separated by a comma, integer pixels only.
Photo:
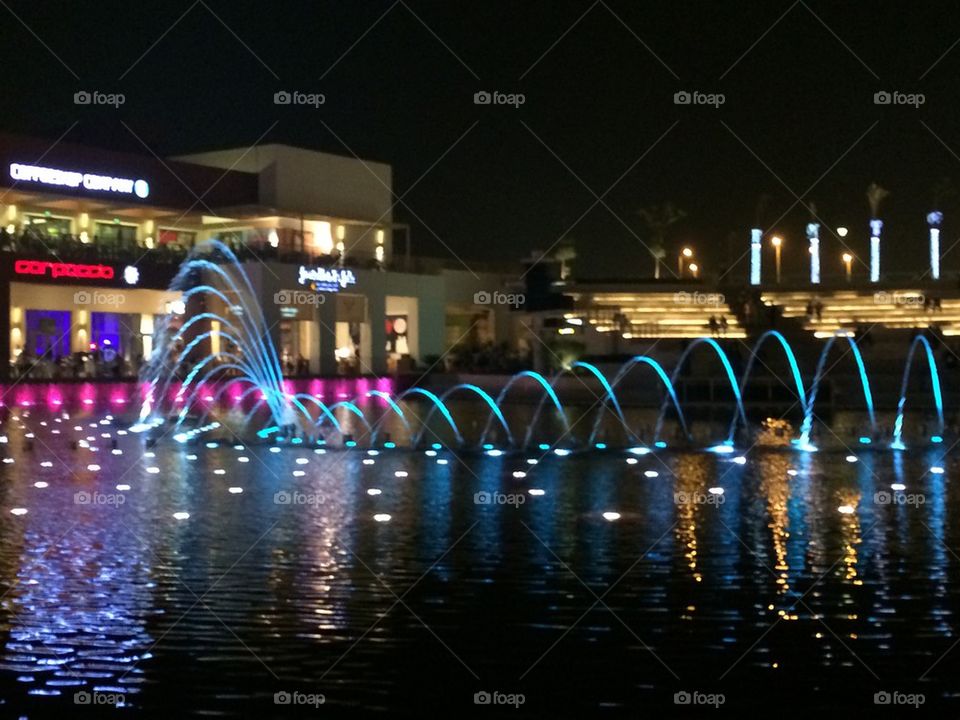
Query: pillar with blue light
[
  {"x": 876, "y": 227},
  {"x": 933, "y": 220},
  {"x": 813, "y": 235},
  {"x": 755, "y": 237}
]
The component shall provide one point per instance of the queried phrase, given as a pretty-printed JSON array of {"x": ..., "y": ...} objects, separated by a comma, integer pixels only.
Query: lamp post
[
  {"x": 847, "y": 261},
  {"x": 685, "y": 253},
  {"x": 694, "y": 269},
  {"x": 777, "y": 242}
]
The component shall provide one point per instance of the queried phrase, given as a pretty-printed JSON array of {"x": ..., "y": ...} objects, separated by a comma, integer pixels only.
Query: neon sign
[
  {"x": 326, "y": 279},
  {"x": 75, "y": 179},
  {"x": 63, "y": 270}
]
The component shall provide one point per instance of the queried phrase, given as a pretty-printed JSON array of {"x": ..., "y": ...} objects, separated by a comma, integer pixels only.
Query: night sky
[{"x": 798, "y": 79}]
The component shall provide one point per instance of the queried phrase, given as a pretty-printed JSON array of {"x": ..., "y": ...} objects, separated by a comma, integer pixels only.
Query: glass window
[
  {"x": 115, "y": 234},
  {"x": 52, "y": 226},
  {"x": 182, "y": 238}
]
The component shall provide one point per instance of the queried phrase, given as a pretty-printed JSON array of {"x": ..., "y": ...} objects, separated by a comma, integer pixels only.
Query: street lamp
[
  {"x": 777, "y": 241},
  {"x": 842, "y": 232},
  {"x": 694, "y": 269},
  {"x": 685, "y": 253},
  {"x": 848, "y": 260}
]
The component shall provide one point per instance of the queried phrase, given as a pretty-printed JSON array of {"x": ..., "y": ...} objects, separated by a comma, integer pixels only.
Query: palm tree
[
  {"x": 565, "y": 253},
  {"x": 658, "y": 219},
  {"x": 875, "y": 196}
]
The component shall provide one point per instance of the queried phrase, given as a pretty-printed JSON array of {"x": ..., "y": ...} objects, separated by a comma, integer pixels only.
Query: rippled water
[{"x": 768, "y": 593}]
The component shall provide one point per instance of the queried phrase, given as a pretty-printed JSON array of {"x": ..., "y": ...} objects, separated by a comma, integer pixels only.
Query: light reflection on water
[{"x": 762, "y": 590}]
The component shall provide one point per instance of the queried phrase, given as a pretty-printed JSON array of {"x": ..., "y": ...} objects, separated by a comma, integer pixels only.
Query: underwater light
[
  {"x": 544, "y": 446},
  {"x": 519, "y": 474},
  {"x": 851, "y": 458},
  {"x": 600, "y": 446},
  {"x": 374, "y": 491},
  {"x": 369, "y": 461},
  {"x": 442, "y": 461},
  {"x": 865, "y": 440},
  {"x": 611, "y": 516},
  {"x": 431, "y": 453},
  {"x": 899, "y": 487},
  {"x": 243, "y": 459},
  {"x": 740, "y": 460},
  {"x": 715, "y": 491},
  {"x": 122, "y": 487},
  {"x": 274, "y": 449},
  {"x": 494, "y": 453},
  {"x": 181, "y": 437},
  {"x": 846, "y": 509},
  {"x": 296, "y": 441},
  {"x": 660, "y": 444},
  {"x": 651, "y": 473},
  {"x": 40, "y": 484},
  {"x": 936, "y": 470},
  {"x": 18, "y": 511},
  {"x": 401, "y": 474},
  {"x": 897, "y": 445},
  {"x": 390, "y": 444},
  {"x": 639, "y": 450},
  {"x": 235, "y": 490},
  {"x": 632, "y": 461},
  {"x": 488, "y": 446},
  {"x": 181, "y": 516},
  {"x": 537, "y": 492},
  {"x": 350, "y": 443},
  {"x": 436, "y": 446},
  {"x": 562, "y": 452},
  {"x": 936, "y": 439},
  {"x": 382, "y": 517}
]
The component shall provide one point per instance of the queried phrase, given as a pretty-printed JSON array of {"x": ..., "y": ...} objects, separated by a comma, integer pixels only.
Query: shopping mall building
[{"x": 90, "y": 240}]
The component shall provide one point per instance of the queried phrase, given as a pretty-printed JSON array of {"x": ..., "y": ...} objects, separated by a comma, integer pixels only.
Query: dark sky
[{"x": 798, "y": 79}]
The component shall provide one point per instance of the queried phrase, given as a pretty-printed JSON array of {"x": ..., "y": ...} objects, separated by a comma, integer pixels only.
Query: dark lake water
[{"x": 387, "y": 584}]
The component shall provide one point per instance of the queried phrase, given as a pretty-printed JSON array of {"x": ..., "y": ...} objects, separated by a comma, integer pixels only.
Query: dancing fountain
[{"x": 224, "y": 349}]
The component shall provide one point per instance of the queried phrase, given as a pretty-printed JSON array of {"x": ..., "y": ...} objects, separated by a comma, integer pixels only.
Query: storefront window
[
  {"x": 116, "y": 234},
  {"x": 48, "y": 334},
  {"x": 54, "y": 227},
  {"x": 182, "y": 238}
]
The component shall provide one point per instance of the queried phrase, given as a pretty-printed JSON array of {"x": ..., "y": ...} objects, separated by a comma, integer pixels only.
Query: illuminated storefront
[{"x": 90, "y": 239}]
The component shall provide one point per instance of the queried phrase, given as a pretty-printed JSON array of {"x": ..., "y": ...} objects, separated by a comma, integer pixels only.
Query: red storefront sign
[{"x": 63, "y": 270}]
